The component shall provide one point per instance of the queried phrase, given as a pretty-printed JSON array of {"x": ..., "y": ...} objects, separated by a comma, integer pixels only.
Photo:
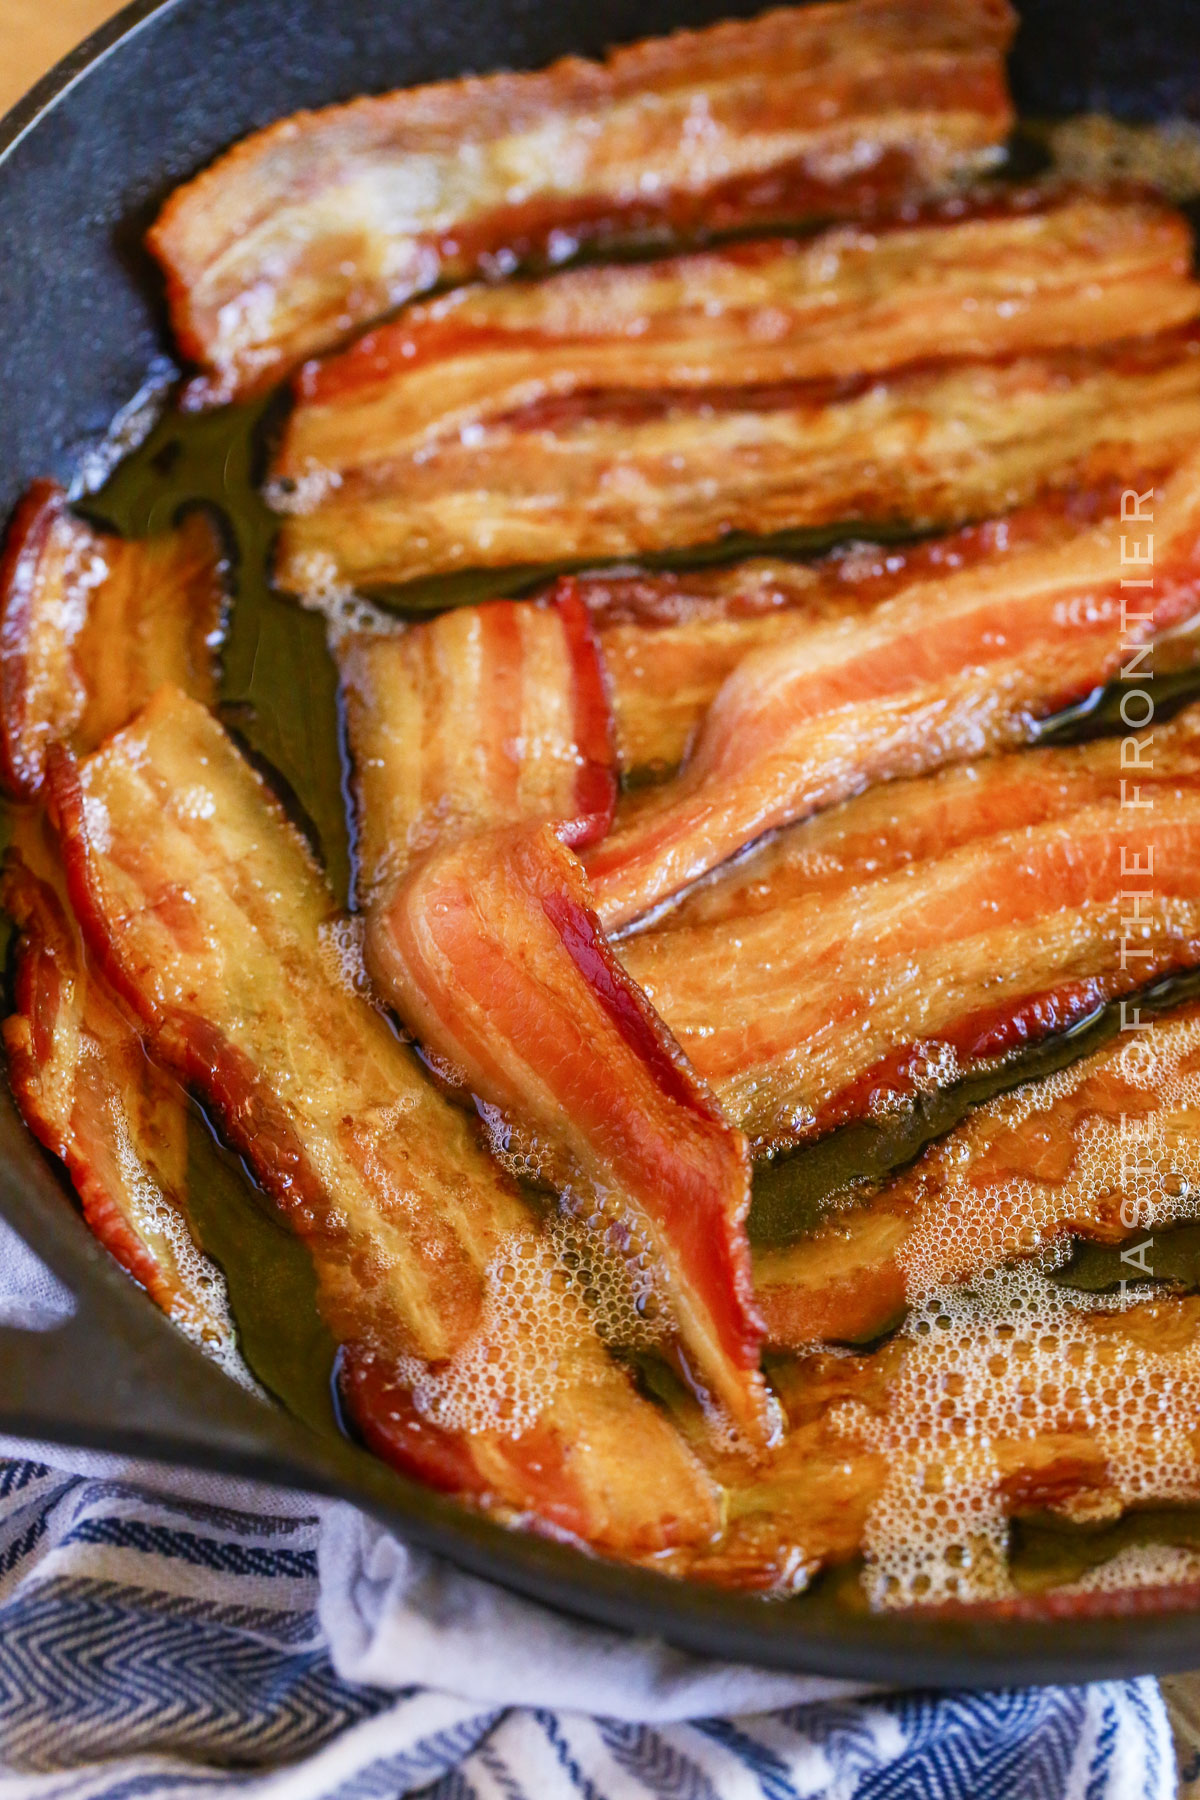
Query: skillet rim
[
  {"x": 79, "y": 1385},
  {"x": 62, "y": 76}
]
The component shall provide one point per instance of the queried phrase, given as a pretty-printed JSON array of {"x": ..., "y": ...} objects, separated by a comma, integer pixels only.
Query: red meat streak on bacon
[
  {"x": 491, "y": 953},
  {"x": 935, "y": 674},
  {"x": 489, "y": 713}
]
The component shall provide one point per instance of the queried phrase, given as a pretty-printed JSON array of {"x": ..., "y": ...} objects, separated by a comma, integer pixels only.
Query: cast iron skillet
[{"x": 85, "y": 161}]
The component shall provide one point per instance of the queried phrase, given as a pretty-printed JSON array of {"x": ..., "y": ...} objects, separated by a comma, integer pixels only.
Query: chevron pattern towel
[
  {"x": 165, "y": 1635},
  {"x": 153, "y": 1645}
]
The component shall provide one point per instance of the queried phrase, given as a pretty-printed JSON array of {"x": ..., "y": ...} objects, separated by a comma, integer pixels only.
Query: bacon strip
[
  {"x": 90, "y": 624},
  {"x": 837, "y": 1006},
  {"x": 599, "y": 1463},
  {"x": 491, "y": 953},
  {"x": 921, "y": 1453},
  {"x": 1032, "y": 271},
  {"x": 485, "y": 715},
  {"x": 943, "y": 670},
  {"x": 87, "y": 1091},
  {"x": 203, "y": 907},
  {"x": 89, "y": 627},
  {"x": 669, "y": 640},
  {"x": 323, "y": 221},
  {"x": 902, "y": 823},
  {"x": 620, "y": 475},
  {"x": 1103, "y": 1149}
]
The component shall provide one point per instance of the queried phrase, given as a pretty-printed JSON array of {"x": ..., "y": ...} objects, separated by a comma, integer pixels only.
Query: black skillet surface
[{"x": 84, "y": 163}]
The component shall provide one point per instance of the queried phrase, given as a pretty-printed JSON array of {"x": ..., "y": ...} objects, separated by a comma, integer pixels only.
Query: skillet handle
[
  {"x": 115, "y": 1374},
  {"x": 101, "y": 1378}
]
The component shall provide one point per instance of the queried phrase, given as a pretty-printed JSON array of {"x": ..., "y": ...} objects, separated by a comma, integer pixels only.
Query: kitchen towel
[{"x": 165, "y": 1634}]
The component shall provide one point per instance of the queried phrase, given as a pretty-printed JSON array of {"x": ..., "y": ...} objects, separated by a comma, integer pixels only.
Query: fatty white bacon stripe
[
  {"x": 618, "y": 475},
  {"x": 986, "y": 277}
]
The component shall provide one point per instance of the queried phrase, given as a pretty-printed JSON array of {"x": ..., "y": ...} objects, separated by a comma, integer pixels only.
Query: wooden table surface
[{"x": 35, "y": 33}]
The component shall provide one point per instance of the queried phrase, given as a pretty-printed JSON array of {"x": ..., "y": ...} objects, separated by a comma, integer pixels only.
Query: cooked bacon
[
  {"x": 202, "y": 906},
  {"x": 669, "y": 640},
  {"x": 87, "y": 1091},
  {"x": 321, "y": 222},
  {"x": 1080, "y": 1413},
  {"x": 833, "y": 1007},
  {"x": 1104, "y": 1149},
  {"x": 89, "y": 627},
  {"x": 90, "y": 624},
  {"x": 483, "y": 716},
  {"x": 1037, "y": 270},
  {"x": 944, "y": 670},
  {"x": 901, "y": 823},
  {"x": 207, "y": 913},
  {"x": 619, "y": 474},
  {"x": 803, "y": 1507},
  {"x": 599, "y": 1462},
  {"x": 492, "y": 955}
]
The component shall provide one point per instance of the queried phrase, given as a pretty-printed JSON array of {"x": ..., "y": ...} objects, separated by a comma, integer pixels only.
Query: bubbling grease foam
[
  {"x": 932, "y": 1067},
  {"x": 529, "y": 1334},
  {"x": 550, "y": 1301},
  {"x": 990, "y": 1371},
  {"x": 340, "y": 944},
  {"x": 200, "y": 1304},
  {"x": 612, "y": 1263},
  {"x": 616, "y": 1274},
  {"x": 1150, "y": 1160},
  {"x": 320, "y": 588},
  {"x": 1005, "y": 1375},
  {"x": 1140, "y": 1566}
]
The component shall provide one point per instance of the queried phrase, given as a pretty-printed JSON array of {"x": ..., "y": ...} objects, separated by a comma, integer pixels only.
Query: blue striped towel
[{"x": 165, "y": 1634}]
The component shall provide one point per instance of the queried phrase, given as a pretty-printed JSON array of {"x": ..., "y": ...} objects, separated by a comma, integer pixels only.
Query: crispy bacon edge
[
  {"x": 47, "y": 962},
  {"x": 70, "y": 702},
  {"x": 32, "y": 523}
]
